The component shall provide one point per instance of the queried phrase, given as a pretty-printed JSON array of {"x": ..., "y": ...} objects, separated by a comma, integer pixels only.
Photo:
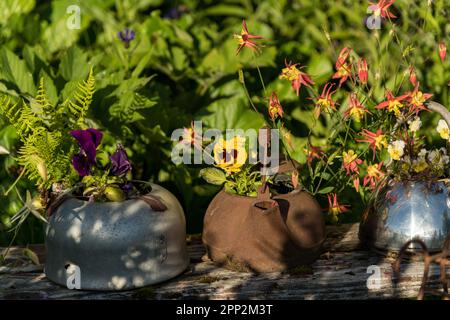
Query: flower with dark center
[
  {"x": 245, "y": 39},
  {"x": 126, "y": 36},
  {"x": 120, "y": 163},
  {"x": 88, "y": 141},
  {"x": 81, "y": 164}
]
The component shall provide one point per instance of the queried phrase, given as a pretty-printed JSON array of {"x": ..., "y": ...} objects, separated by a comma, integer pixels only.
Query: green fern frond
[
  {"x": 45, "y": 158},
  {"x": 44, "y": 132},
  {"x": 22, "y": 118},
  {"x": 79, "y": 104},
  {"x": 41, "y": 98}
]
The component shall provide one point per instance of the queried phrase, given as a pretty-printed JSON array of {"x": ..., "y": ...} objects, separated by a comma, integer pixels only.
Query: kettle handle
[{"x": 441, "y": 110}]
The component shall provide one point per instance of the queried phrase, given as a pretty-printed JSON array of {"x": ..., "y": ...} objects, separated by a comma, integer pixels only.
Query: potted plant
[
  {"x": 105, "y": 231},
  {"x": 413, "y": 200},
  {"x": 262, "y": 220}
]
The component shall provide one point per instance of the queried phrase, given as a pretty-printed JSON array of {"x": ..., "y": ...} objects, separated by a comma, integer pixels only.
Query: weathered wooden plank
[{"x": 340, "y": 273}]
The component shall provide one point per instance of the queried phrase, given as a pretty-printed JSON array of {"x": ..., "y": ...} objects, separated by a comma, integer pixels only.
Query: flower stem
[{"x": 15, "y": 182}]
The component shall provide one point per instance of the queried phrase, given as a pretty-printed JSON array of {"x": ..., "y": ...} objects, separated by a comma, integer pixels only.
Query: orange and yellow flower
[
  {"x": 343, "y": 68},
  {"x": 417, "y": 98},
  {"x": 363, "y": 72},
  {"x": 313, "y": 152},
  {"x": 325, "y": 102},
  {"x": 275, "y": 108},
  {"x": 376, "y": 140},
  {"x": 295, "y": 76},
  {"x": 351, "y": 162},
  {"x": 334, "y": 208},
  {"x": 382, "y": 8},
  {"x": 393, "y": 104},
  {"x": 373, "y": 176},
  {"x": 245, "y": 39},
  {"x": 191, "y": 136},
  {"x": 356, "y": 110}
]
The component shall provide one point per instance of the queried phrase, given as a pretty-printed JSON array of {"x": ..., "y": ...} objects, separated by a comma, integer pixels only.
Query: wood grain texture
[{"x": 340, "y": 273}]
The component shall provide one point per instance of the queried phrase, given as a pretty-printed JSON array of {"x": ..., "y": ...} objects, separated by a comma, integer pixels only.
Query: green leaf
[
  {"x": 213, "y": 176},
  {"x": 325, "y": 190},
  {"x": 15, "y": 70},
  {"x": 320, "y": 68},
  {"x": 231, "y": 109},
  {"x": 74, "y": 66},
  {"x": 226, "y": 10}
]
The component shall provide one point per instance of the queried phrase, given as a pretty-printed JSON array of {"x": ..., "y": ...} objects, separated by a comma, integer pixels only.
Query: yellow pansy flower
[{"x": 230, "y": 155}]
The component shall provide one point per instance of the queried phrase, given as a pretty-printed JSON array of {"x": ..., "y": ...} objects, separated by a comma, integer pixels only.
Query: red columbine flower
[
  {"x": 442, "y": 50},
  {"x": 245, "y": 39},
  {"x": 382, "y": 8},
  {"x": 412, "y": 76},
  {"x": 334, "y": 208},
  {"x": 192, "y": 136},
  {"x": 343, "y": 68},
  {"x": 356, "y": 110},
  {"x": 416, "y": 99},
  {"x": 393, "y": 104},
  {"x": 325, "y": 102},
  {"x": 295, "y": 76},
  {"x": 374, "y": 175},
  {"x": 376, "y": 140},
  {"x": 351, "y": 162},
  {"x": 313, "y": 152},
  {"x": 363, "y": 73},
  {"x": 275, "y": 108}
]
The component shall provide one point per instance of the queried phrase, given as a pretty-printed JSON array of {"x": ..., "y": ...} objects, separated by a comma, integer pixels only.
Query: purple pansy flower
[
  {"x": 88, "y": 141},
  {"x": 120, "y": 163},
  {"x": 126, "y": 36}
]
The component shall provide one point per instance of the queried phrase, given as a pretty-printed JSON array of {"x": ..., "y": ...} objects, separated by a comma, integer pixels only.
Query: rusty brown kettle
[{"x": 265, "y": 233}]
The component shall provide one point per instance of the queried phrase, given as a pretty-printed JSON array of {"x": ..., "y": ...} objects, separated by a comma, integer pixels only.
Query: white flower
[
  {"x": 438, "y": 158},
  {"x": 395, "y": 149},
  {"x": 422, "y": 153},
  {"x": 443, "y": 130},
  {"x": 414, "y": 125}
]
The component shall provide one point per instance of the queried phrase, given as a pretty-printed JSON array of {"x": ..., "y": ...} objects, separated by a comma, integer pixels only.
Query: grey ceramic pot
[
  {"x": 116, "y": 245},
  {"x": 407, "y": 210}
]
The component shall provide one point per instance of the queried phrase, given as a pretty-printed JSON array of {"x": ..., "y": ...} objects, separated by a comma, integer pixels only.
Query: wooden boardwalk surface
[{"x": 340, "y": 273}]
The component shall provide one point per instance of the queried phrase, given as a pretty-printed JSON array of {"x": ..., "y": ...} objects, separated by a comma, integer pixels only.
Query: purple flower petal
[
  {"x": 97, "y": 136},
  {"x": 88, "y": 140},
  {"x": 126, "y": 36},
  {"x": 81, "y": 164},
  {"x": 120, "y": 163}
]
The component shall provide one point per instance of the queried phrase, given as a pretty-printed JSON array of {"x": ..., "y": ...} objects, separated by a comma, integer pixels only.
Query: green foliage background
[{"x": 182, "y": 66}]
